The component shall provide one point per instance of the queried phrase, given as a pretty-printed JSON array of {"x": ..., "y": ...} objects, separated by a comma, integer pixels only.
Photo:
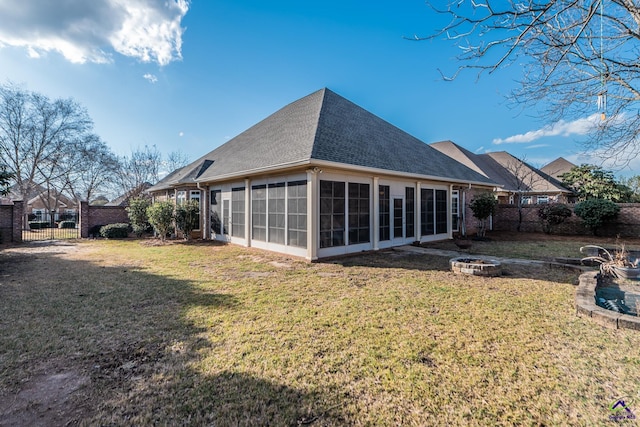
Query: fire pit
[{"x": 476, "y": 266}]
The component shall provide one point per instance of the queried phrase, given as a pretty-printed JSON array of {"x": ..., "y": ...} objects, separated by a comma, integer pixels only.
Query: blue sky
[{"x": 189, "y": 76}]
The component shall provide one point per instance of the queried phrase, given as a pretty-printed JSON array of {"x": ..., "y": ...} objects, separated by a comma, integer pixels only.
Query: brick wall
[
  {"x": 91, "y": 216},
  {"x": 6, "y": 223},
  {"x": 627, "y": 223},
  {"x": 11, "y": 222}
]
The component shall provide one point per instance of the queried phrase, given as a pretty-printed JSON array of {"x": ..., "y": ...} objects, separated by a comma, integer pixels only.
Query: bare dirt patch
[{"x": 52, "y": 396}]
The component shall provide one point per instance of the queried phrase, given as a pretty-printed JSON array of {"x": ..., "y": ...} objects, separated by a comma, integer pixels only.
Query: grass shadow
[{"x": 123, "y": 334}]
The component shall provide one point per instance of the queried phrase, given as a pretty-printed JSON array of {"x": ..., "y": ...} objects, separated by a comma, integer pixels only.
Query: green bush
[
  {"x": 161, "y": 217},
  {"x": 137, "y": 211},
  {"x": 187, "y": 217},
  {"x": 553, "y": 214},
  {"x": 67, "y": 224},
  {"x": 595, "y": 212},
  {"x": 115, "y": 231},
  {"x": 38, "y": 225},
  {"x": 483, "y": 206}
]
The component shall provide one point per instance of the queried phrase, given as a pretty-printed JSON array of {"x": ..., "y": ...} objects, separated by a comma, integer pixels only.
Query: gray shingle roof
[{"x": 324, "y": 126}]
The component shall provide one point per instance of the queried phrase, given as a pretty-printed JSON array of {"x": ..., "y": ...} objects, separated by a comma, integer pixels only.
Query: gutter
[{"x": 337, "y": 165}]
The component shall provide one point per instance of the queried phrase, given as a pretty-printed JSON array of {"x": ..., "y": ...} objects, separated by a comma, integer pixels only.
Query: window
[
  {"x": 195, "y": 195},
  {"x": 511, "y": 199},
  {"x": 385, "y": 213},
  {"x": 297, "y": 213},
  {"x": 526, "y": 200},
  {"x": 181, "y": 197},
  {"x": 441, "y": 211},
  {"x": 276, "y": 212},
  {"x": 410, "y": 211},
  {"x": 398, "y": 228},
  {"x": 259, "y": 212},
  {"x": 455, "y": 210},
  {"x": 237, "y": 212},
  {"x": 216, "y": 214},
  {"x": 359, "y": 213},
  {"x": 542, "y": 200},
  {"x": 433, "y": 211},
  {"x": 426, "y": 211},
  {"x": 332, "y": 213}
]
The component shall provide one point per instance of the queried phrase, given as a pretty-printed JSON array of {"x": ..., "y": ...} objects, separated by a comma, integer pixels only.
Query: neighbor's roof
[
  {"x": 558, "y": 167},
  {"x": 323, "y": 127},
  {"x": 507, "y": 170}
]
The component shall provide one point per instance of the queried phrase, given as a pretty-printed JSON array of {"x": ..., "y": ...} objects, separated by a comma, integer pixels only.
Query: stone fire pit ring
[{"x": 476, "y": 266}]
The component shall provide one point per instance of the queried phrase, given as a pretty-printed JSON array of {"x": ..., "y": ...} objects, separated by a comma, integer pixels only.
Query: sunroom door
[{"x": 398, "y": 220}]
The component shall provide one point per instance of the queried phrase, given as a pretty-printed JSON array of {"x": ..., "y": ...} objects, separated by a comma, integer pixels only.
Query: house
[
  {"x": 123, "y": 199},
  {"x": 558, "y": 167},
  {"x": 518, "y": 181},
  {"x": 44, "y": 204},
  {"x": 324, "y": 177}
]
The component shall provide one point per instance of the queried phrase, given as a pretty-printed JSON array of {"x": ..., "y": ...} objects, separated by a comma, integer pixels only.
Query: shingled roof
[
  {"x": 558, "y": 167},
  {"x": 324, "y": 127},
  {"x": 501, "y": 167}
]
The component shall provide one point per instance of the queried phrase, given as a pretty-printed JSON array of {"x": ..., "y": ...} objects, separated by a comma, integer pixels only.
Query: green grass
[
  {"x": 221, "y": 335},
  {"x": 536, "y": 246}
]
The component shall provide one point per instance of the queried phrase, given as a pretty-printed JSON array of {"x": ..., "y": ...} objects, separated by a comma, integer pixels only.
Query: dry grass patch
[{"x": 211, "y": 334}]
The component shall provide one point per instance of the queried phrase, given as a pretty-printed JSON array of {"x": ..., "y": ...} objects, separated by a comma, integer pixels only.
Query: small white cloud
[
  {"x": 151, "y": 78},
  {"x": 581, "y": 126},
  {"x": 85, "y": 31},
  {"x": 181, "y": 134},
  {"x": 479, "y": 149},
  {"x": 538, "y": 146}
]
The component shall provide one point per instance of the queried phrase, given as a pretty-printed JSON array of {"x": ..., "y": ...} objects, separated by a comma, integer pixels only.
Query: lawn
[{"x": 136, "y": 333}]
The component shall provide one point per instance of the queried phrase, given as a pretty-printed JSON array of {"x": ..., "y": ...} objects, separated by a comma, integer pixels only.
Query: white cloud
[
  {"x": 181, "y": 134},
  {"x": 88, "y": 31},
  {"x": 151, "y": 78},
  {"x": 561, "y": 128},
  {"x": 538, "y": 146}
]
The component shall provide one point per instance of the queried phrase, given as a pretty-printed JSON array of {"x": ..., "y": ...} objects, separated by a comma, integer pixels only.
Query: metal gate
[{"x": 50, "y": 226}]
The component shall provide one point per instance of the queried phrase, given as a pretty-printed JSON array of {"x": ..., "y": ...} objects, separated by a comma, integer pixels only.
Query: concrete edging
[{"x": 586, "y": 306}]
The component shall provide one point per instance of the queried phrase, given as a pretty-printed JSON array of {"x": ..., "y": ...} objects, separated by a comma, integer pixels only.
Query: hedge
[{"x": 115, "y": 231}]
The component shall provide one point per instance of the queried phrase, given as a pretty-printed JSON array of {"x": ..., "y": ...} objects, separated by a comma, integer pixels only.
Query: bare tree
[
  {"x": 98, "y": 169},
  {"x": 579, "y": 57},
  {"x": 175, "y": 160},
  {"x": 41, "y": 140},
  {"x": 523, "y": 180},
  {"x": 142, "y": 167}
]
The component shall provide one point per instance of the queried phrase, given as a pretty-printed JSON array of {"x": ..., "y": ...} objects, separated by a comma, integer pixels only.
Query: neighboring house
[
  {"x": 517, "y": 179},
  {"x": 42, "y": 203},
  {"x": 123, "y": 200},
  {"x": 323, "y": 177},
  {"x": 557, "y": 168}
]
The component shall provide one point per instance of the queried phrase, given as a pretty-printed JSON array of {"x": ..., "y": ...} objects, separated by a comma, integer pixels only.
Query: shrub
[
  {"x": 94, "y": 231},
  {"x": 137, "y": 211},
  {"x": 115, "y": 231},
  {"x": 187, "y": 217},
  {"x": 595, "y": 212},
  {"x": 161, "y": 217},
  {"x": 67, "y": 224},
  {"x": 553, "y": 214},
  {"x": 483, "y": 205},
  {"x": 38, "y": 225}
]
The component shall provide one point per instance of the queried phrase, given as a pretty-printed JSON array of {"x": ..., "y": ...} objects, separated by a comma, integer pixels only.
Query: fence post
[
  {"x": 16, "y": 227},
  {"x": 84, "y": 219}
]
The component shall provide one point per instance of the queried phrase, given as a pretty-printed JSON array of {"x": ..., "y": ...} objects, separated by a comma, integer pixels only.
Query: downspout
[{"x": 204, "y": 213}]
